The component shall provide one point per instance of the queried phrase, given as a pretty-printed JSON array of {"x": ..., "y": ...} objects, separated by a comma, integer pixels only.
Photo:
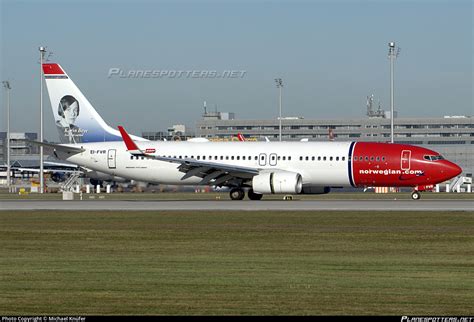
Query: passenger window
[
  {"x": 324, "y": 158},
  {"x": 371, "y": 158},
  {"x": 319, "y": 158},
  {"x": 198, "y": 157},
  {"x": 344, "y": 158},
  {"x": 232, "y": 157},
  {"x": 204, "y": 157},
  {"x": 256, "y": 158},
  {"x": 243, "y": 158},
  {"x": 227, "y": 157},
  {"x": 330, "y": 158},
  {"x": 307, "y": 158},
  {"x": 383, "y": 158},
  {"x": 366, "y": 158},
  {"x": 289, "y": 158},
  {"x": 222, "y": 157},
  {"x": 301, "y": 158},
  {"x": 238, "y": 157},
  {"x": 337, "y": 158},
  {"x": 377, "y": 159},
  {"x": 284, "y": 158}
]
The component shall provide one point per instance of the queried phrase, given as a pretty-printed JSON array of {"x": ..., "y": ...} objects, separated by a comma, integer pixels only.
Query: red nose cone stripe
[
  {"x": 52, "y": 69},
  {"x": 455, "y": 170}
]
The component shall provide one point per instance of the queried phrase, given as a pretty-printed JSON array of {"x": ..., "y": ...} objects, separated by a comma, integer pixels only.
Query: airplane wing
[{"x": 212, "y": 173}]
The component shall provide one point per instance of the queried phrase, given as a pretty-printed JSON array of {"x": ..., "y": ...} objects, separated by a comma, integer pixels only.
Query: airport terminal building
[
  {"x": 22, "y": 152},
  {"x": 452, "y": 136}
]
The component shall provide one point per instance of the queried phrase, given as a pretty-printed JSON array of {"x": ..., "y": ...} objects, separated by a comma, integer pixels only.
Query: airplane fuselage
[{"x": 322, "y": 164}]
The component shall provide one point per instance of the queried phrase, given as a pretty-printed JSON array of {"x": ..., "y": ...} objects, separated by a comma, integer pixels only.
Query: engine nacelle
[
  {"x": 315, "y": 190},
  {"x": 277, "y": 182}
]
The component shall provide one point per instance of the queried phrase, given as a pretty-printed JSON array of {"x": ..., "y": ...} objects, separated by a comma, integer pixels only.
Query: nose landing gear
[{"x": 415, "y": 195}]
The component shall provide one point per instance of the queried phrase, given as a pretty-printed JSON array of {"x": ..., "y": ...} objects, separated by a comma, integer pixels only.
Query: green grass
[{"x": 252, "y": 263}]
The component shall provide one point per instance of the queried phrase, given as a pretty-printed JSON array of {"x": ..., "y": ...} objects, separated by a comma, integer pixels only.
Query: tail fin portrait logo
[{"x": 68, "y": 111}]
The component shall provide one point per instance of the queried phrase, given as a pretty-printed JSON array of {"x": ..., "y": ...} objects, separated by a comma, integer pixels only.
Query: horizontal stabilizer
[{"x": 58, "y": 147}]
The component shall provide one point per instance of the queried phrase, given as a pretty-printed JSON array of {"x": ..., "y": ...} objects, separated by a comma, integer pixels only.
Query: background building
[
  {"x": 21, "y": 152},
  {"x": 452, "y": 136},
  {"x": 175, "y": 132}
]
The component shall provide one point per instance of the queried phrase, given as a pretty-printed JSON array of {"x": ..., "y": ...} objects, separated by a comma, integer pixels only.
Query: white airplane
[{"x": 256, "y": 167}]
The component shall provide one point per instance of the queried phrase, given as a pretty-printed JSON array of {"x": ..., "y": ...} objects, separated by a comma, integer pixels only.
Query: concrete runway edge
[{"x": 245, "y": 205}]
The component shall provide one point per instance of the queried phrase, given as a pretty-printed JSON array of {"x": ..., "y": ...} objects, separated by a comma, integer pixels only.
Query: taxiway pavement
[{"x": 244, "y": 205}]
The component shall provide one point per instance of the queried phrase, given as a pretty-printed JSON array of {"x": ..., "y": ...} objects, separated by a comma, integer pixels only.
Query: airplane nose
[{"x": 451, "y": 169}]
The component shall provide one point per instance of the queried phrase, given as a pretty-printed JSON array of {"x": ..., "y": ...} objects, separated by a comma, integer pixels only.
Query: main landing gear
[
  {"x": 254, "y": 196},
  {"x": 415, "y": 195},
  {"x": 239, "y": 194}
]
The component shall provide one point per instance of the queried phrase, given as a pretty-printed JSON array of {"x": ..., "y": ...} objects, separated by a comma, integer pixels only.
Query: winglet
[
  {"x": 240, "y": 137},
  {"x": 131, "y": 146}
]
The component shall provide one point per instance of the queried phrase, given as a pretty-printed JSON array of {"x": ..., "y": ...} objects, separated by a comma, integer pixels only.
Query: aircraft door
[
  {"x": 262, "y": 159},
  {"x": 405, "y": 160},
  {"x": 111, "y": 158}
]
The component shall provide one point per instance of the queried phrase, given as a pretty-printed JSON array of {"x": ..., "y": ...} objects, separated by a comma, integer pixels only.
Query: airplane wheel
[
  {"x": 254, "y": 196},
  {"x": 415, "y": 195},
  {"x": 237, "y": 194}
]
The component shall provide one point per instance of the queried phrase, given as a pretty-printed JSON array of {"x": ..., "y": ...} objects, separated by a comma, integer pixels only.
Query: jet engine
[{"x": 277, "y": 182}]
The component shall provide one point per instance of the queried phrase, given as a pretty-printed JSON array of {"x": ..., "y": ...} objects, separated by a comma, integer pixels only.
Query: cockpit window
[{"x": 433, "y": 157}]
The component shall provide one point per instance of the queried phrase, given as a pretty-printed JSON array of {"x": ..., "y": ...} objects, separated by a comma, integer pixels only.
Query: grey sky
[{"x": 330, "y": 54}]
